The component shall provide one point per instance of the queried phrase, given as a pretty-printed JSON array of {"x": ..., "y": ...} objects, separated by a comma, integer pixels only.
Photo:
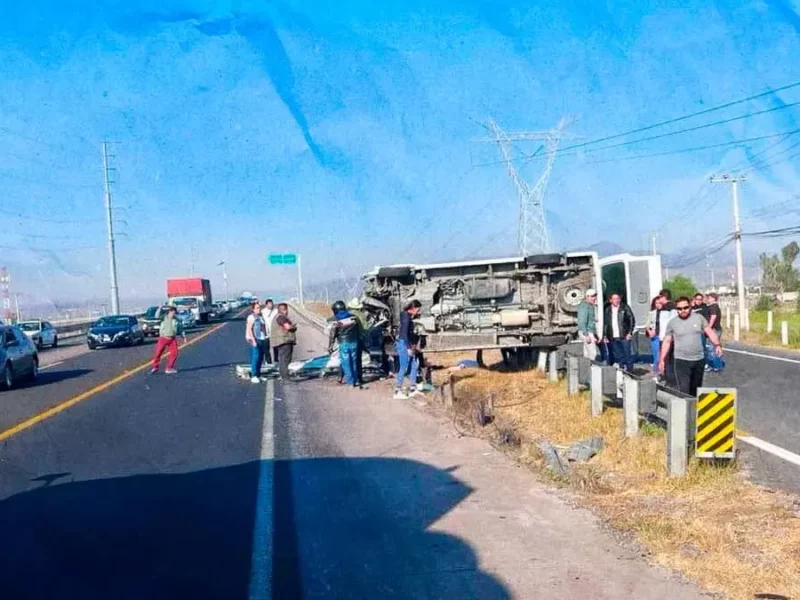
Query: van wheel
[
  {"x": 34, "y": 370},
  {"x": 55, "y": 342}
]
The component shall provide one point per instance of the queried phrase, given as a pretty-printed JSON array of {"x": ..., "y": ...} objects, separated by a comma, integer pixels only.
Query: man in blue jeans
[
  {"x": 345, "y": 330},
  {"x": 255, "y": 335},
  {"x": 406, "y": 347}
]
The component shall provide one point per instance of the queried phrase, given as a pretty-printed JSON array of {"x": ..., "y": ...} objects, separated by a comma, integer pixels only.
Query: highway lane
[
  {"x": 69, "y": 371},
  {"x": 769, "y": 408},
  {"x": 144, "y": 490},
  {"x": 153, "y": 488}
]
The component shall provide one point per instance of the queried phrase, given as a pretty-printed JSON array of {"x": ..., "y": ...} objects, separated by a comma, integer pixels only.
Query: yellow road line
[{"x": 62, "y": 406}]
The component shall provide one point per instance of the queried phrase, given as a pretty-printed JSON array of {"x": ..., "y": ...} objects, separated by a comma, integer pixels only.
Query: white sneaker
[
  {"x": 255, "y": 380},
  {"x": 400, "y": 395},
  {"x": 417, "y": 392}
]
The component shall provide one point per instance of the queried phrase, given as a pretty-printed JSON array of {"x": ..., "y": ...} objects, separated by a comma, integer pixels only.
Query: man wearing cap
[{"x": 587, "y": 324}]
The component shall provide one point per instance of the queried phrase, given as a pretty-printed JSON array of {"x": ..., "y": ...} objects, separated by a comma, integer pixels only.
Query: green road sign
[{"x": 282, "y": 259}]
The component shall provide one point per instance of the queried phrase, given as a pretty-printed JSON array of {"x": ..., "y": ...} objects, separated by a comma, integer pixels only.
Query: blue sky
[{"x": 344, "y": 130}]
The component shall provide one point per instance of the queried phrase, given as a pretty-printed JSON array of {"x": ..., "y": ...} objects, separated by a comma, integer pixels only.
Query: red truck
[{"x": 193, "y": 293}]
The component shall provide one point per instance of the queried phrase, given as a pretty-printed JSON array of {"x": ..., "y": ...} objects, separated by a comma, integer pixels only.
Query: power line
[
  {"x": 37, "y": 249},
  {"x": 781, "y": 232},
  {"x": 11, "y": 132},
  {"x": 566, "y": 149},
  {"x": 47, "y": 219},
  {"x": 698, "y": 148},
  {"x": 752, "y": 159},
  {"x": 695, "y": 128},
  {"x": 772, "y": 163},
  {"x": 82, "y": 186},
  {"x": 684, "y": 117}
]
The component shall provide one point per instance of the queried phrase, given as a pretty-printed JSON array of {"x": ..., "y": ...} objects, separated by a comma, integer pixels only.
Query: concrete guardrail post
[
  {"x": 620, "y": 375},
  {"x": 785, "y": 333},
  {"x": 541, "y": 361},
  {"x": 572, "y": 375},
  {"x": 630, "y": 405},
  {"x": 677, "y": 437},
  {"x": 769, "y": 321},
  {"x": 449, "y": 392},
  {"x": 597, "y": 390},
  {"x": 552, "y": 366},
  {"x": 736, "y": 327}
]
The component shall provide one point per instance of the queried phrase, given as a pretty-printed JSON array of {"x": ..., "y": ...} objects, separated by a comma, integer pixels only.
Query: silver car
[
  {"x": 18, "y": 357},
  {"x": 41, "y": 333}
]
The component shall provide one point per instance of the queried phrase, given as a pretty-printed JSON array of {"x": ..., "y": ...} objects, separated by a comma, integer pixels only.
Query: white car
[{"x": 41, "y": 333}]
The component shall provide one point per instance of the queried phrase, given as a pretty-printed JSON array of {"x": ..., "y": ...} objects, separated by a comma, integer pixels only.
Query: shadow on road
[
  {"x": 216, "y": 366},
  {"x": 341, "y": 528},
  {"x": 50, "y": 377}
]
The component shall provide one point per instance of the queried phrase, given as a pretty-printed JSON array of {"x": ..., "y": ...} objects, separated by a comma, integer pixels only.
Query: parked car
[
  {"x": 18, "y": 356},
  {"x": 41, "y": 333},
  {"x": 152, "y": 320},
  {"x": 218, "y": 310},
  {"x": 187, "y": 319},
  {"x": 117, "y": 330}
]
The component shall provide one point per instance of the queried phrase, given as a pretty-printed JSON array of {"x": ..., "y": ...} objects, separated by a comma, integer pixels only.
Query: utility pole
[
  {"x": 737, "y": 237},
  {"x": 224, "y": 277},
  {"x": 5, "y": 281},
  {"x": 112, "y": 255},
  {"x": 653, "y": 238},
  {"x": 16, "y": 303},
  {"x": 300, "y": 280}
]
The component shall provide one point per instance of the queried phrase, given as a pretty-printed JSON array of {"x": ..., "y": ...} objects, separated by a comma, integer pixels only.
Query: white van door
[{"x": 636, "y": 278}]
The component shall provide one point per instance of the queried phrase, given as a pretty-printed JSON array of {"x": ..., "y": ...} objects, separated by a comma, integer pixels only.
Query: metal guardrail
[
  {"x": 639, "y": 397},
  {"x": 317, "y": 321}
]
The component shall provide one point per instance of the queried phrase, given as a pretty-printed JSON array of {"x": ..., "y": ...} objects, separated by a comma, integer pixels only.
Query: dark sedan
[
  {"x": 18, "y": 356},
  {"x": 119, "y": 330}
]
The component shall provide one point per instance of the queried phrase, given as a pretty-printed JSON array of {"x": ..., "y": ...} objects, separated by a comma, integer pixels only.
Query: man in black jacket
[{"x": 618, "y": 325}]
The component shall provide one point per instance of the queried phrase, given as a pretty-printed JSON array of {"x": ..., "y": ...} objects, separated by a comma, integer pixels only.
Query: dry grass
[
  {"x": 713, "y": 526},
  {"x": 319, "y": 308}
]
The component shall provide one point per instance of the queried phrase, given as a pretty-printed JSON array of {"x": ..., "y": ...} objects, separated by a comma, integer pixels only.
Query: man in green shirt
[{"x": 587, "y": 324}]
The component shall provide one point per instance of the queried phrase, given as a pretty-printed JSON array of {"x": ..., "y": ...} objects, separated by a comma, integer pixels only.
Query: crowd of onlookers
[
  {"x": 684, "y": 339},
  {"x": 684, "y": 336}
]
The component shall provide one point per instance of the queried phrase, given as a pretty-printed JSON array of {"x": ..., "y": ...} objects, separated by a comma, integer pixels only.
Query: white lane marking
[
  {"x": 771, "y": 448},
  {"x": 51, "y": 365},
  {"x": 756, "y": 354},
  {"x": 261, "y": 558}
]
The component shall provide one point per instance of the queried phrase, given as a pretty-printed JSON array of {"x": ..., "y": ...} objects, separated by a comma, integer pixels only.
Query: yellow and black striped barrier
[{"x": 716, "y": 423}]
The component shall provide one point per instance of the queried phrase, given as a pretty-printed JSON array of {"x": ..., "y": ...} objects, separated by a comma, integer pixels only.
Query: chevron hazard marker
[{"x": 716, "y": 423}]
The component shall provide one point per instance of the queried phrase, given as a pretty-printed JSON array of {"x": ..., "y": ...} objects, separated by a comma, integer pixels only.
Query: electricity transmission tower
[{"x": 532, "y": 237}]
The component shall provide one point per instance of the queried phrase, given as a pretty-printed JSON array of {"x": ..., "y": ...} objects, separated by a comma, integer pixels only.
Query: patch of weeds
[{"x": 648, "y": 428}]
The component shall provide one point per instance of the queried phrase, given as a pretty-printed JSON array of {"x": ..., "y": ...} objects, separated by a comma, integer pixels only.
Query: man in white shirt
[{"x": 268, "y": 314}]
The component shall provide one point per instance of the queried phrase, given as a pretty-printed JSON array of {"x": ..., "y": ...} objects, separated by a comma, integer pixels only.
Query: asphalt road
[
  {"x": 768, "y": 408},
  {"x": 202, "y": 485}
]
